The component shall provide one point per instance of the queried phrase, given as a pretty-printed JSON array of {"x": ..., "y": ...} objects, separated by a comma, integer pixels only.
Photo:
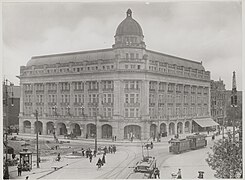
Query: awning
[{"x": 206, "y": 122}]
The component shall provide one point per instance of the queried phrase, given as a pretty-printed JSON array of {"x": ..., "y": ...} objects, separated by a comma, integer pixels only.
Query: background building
[
  {"x": 218, "y": 101},
  {"x": 230, "y": 113},
  {"x": 127, "y": 90},
  {"x": 11, "y": 104}
]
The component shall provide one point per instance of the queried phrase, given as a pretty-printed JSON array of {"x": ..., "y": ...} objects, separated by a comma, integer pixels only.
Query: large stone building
[{"x": 127, "y": 90}]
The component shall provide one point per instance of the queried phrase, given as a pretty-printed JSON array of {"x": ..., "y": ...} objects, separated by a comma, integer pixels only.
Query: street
[{"x": 121, "y": 164}]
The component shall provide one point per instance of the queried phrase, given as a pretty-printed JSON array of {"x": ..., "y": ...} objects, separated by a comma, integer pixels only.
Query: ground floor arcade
[{"x": 106, "y": 130}]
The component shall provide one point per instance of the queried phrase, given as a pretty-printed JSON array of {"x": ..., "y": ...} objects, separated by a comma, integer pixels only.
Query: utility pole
[{"x": 36, "y": 113}]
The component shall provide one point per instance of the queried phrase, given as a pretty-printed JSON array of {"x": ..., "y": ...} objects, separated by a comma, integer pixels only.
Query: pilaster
[
  {"x": 144, "y": 98},
  {"x": 117, "y": 96}
]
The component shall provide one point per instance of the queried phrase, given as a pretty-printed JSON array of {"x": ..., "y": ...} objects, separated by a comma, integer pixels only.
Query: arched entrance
[
  {"x": 153, "y": 131},
  {"x": 106, "y": 131},
  {"x": 38, "y": 127},
  {"x": 50, "y": 128},
  {"x": 27, "y": 127},
  {"x": 163, "y": 130},
  {"x": 91, "y": 130},
  {"x": 75, "y": 129},
  {"x": 61, "y": 129},
  {"x": 187, "y": 127},
  {"x": 132, "y": 131},
  {"x": 171, "y": 129},
  {"x": 180, "y": 128}
]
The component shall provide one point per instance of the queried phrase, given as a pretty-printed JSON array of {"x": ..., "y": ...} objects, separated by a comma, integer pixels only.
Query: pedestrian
[
  {"x": 151, "y": 145},
  {"x": 114, "y": 148},
  {"x": 115, "y": 138},
  {"x": 99, "y": 163},
  {"x": 109, "y": 148},
  {"x": 13, "y": 156},
  {"x": 86, "y": 135},
  {"x": 90, "y": 157},
  {"x": 213, "y": 137},
  {"x": 179, "y": 176},
  {"x": 157, "y": 173},
  {"x": 103, "y": 159},
  {"x": 19, "y": 167},
  {"x": 87, "y": 152},
  {"x": 200, "y": 174}
]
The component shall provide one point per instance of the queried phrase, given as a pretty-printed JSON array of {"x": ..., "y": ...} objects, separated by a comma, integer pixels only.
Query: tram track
[{"x": 117, "y": 171}]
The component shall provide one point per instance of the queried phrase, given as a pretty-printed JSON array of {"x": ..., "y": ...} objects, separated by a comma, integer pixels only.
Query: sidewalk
[
  {"x": 107, "y": 141},
  {"x": 76, "y": 167},
  {"x": 190, "y": 163},
  {"x": 45, "y": 167}
]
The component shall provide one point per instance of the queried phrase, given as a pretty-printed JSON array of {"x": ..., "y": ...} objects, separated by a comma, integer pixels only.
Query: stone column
[
  {"x": 167, "y": 128},
  {"x": 71, "y": 104},
  {"x": 44, "y": 127},
  {"x": 68, "y": 128},
  {"x": 176, "y": 128},
  {"x": 21, "y": 125},
  {"x": 32, "y": 126}
]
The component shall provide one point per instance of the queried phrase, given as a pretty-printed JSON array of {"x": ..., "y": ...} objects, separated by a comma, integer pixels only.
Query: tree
[{"x": 226, "y": 158}]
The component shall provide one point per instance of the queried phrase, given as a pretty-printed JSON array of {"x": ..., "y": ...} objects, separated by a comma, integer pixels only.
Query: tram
[
  {"x": 147, "y": 165},
  {"x": 189, "y": 143}
]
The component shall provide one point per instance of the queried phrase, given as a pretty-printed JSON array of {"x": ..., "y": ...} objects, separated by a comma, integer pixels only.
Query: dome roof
[{"x": 129, "y": 26}]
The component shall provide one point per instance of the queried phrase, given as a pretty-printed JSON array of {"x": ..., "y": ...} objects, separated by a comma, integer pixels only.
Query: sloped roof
[
  {"x": 72, "y": 57},
  {"x": 165, "y": 58}
]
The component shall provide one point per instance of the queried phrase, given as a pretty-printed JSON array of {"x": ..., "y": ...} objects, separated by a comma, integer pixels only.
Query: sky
[{"x": 210, "y": 32}]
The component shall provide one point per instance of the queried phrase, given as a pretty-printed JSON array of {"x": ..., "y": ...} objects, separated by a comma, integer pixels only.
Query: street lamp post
[{"x": 36, "y": 114}]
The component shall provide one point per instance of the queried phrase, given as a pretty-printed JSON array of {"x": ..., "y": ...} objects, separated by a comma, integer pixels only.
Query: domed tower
[
  {"x": 129, "y": 44},
  {"x": 129, "y": 33}
]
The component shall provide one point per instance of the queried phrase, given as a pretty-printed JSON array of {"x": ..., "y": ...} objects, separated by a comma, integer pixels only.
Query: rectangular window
[
  {"x": 137, "y": 113},
  {"x": 137, "y": 84},
  {"x": 109, "y": 98},
  {"x": 126, "y": 98},
  {"x": 109, "y": 112},
  {"x": 126, "y": 112},
  {"x": 127, "y": 56},
  {"x": 131, "y": 55},
  {"x": 137, "y": 98},
  {"x": 131, "y": 112},
  {"x": 131, "y": 84},
  {"x": 131, "y": 98},
  {"x": 126, "y": 84},
  {"x": 104, "y": 101}
]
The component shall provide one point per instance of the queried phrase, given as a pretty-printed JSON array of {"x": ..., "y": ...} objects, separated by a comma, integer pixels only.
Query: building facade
[
  {"x": 218, "y": 101},
  {"x": 232, "y": 112},
  {"x": 127, "y": 90},
  {"x": 11, "y": 105}
]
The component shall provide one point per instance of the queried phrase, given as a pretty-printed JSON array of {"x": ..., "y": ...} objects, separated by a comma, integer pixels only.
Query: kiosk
[{"x": 26, "y": 160}]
